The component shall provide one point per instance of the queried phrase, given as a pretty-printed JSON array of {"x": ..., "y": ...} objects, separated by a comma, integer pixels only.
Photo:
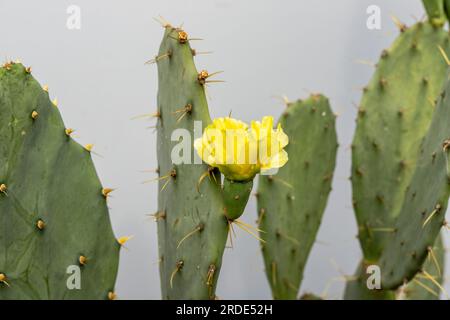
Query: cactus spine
[
  {"x": 291, "y": 203},
  {"x": 53, "y": 211}
]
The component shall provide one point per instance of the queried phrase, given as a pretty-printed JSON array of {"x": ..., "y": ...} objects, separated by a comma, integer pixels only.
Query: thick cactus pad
[
  {"x": 53, "y": 215},
  {"x": 394, "y": 116},
  {"x": 291, "y": 203},
  {"x": 422, "y": 214},
  {"x": 423, "y": 287},
  {"x": 192, "y": 228}
]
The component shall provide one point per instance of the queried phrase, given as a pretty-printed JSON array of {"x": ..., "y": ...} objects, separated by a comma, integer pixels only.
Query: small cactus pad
[
  {"x": 192, "y": 227},
  {"x": 52, "y": 211},
  {"x": 436, "y": 11},
  {"x": 291, "y": 203},
  {"x": 394, "y": 115},
  {"x": 423, "y": 211}
]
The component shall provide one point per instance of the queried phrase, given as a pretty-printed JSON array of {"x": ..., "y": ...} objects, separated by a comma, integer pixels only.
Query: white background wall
[{"x": 267, "y": 48}]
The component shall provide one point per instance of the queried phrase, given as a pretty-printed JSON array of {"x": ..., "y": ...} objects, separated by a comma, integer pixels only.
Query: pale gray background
[{"x": 266, "y": 48}]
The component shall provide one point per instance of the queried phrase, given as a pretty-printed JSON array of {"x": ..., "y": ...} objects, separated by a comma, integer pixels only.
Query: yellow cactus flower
[{"x": 241, "y": 152}]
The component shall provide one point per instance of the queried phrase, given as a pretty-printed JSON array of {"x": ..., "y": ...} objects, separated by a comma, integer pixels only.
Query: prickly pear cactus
[
  {"x": 53, "y": 212},
  {"x": 394, "y": 115},
  {"x": 192, "y": 228},
  {"x": 423, "y": 210},
  {"x": 291, "y": 203}
]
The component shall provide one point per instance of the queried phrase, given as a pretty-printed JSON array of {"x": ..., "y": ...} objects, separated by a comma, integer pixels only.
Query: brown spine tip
[{"x": 3, "y": 188}]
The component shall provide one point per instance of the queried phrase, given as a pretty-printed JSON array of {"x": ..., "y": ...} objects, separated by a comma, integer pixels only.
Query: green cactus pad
[
  {"x": 422, "y": 288},
  {"x": 236, "y": 194},
  {"x": 291, "y": 203},
  {"x": 53, "y": 214},
  {"x": 436, "y": 11},
  {"x": 192, "y": 228},
  {"x": 422, "y": 214},
  {"x": 394, "y": 115}
]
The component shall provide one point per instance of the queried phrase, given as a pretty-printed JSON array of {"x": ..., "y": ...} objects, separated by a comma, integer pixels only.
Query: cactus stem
[
  {"x": 444, "y": 55},
  {"x": 178, "y": 267},
  {"x": 437, "y": 209},
  {"x": 34, "y": 115},
  {"x": 82, "y": 260},
  {"x": 198, "y": 228},
  {"x": 40, "y": 224},
  {"x": 3, "y": 279},
  {"x": 433, "y": 258}
]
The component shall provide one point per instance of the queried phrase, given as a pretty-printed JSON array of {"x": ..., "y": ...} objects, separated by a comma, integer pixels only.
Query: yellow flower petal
[{"x": 241, "y": 152}]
